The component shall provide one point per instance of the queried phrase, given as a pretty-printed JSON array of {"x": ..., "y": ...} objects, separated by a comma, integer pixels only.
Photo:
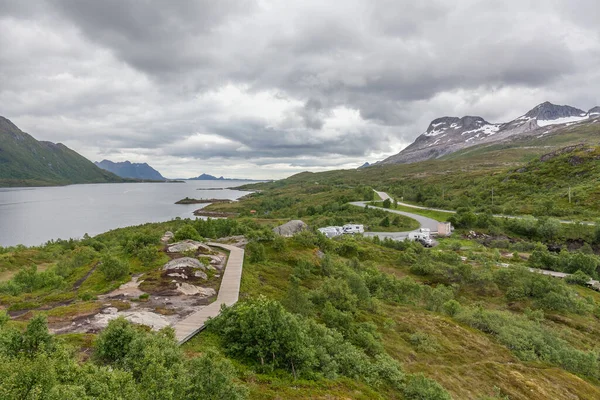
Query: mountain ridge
[
  {"x": 208, "y": 177},
  {"x": 127, "y": 169},
  {"x": 25, "y": 161},
  {"x": 447, "y": 135}
]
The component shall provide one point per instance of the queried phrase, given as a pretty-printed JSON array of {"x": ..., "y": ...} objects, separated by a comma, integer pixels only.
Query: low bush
[{"x": 112, "y": 268}]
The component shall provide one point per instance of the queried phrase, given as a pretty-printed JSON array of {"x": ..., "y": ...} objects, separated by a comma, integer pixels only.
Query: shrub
[
  {"x": 147, "y": 255},
  {"x": 530, "y": 340},
  {"x": 187, "y": 232},
  {"x": 418, "y": 387},
  {"x": 112, "y": 268},
  {"x": 424, "y": 342},
  {"x": 451, "y": 307},
  {"x": 263, "y": 333},
  {"x": 578, "y": 278},
  {"x": 256, "y": 252},
  {"x": 213, "y": 377},
  {"x": 114, "y": 341}
]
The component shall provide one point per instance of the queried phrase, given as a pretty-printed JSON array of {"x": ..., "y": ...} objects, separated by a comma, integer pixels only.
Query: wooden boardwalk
[{"x": 228, "y": 295}]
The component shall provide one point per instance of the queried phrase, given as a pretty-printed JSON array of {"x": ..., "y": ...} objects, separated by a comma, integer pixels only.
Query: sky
[{"x": 266, "y": 89}]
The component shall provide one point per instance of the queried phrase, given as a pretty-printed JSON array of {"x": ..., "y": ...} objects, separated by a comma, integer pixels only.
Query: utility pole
[{"x": 569, "y": 194}]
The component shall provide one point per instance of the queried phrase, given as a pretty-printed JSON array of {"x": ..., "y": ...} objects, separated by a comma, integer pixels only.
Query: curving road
[
  {"x": 384, "y": 196},
  {"x": 428, "y": 223},
  {"x": 424, "y": 222}
]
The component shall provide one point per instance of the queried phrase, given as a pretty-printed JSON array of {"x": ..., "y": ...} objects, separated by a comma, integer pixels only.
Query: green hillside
[
  {"x": 25, "y": 161},
  {"x": 525, "y": 179}
]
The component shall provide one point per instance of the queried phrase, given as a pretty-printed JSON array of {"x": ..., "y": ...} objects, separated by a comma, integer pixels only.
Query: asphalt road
[{"x": 424, "y": 222}]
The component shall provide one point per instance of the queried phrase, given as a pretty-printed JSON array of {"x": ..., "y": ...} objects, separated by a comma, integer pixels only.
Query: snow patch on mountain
[
  {"x": 564, "y": 120},
  {"x": 447, "y": 135}
]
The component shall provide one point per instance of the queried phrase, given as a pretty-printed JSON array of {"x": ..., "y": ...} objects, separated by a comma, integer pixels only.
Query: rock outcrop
[
  {"x": 191, "y": 290},
  {"x": 184, "y": 262},
  {"x": 167, "y": 237},
  {"x": 290, "y": 228},
  {"x": 188, "y": 245}
]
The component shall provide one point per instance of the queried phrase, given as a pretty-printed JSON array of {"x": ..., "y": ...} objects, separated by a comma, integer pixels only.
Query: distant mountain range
[
  {"x": 25, "y": 161},
  {"x": 447, "y": 135},
  {"x": 207, "y": 177},
  {"x": 127, "y": 169}
]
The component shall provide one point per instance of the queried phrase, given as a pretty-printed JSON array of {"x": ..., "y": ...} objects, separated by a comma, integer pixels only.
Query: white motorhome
[
  {"x": 353, "y": 228},
  {"x": 331, "y": 231},
  {"x": 421, "y": 237},
  {"x": 412, "y": 236}
]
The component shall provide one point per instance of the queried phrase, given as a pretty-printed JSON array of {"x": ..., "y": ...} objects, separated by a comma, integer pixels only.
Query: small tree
[
  {"x": 113, "y": 343},
  {"x": 387, "y": 203},
  {"x": 36, "y": 336},
  {"x": 385, "y": 221},
  {"x": 213, "y": 377}
]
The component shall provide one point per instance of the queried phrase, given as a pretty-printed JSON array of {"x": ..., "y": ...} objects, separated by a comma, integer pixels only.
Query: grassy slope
[
  {"x": 532, "y": 187},
  {"x": 24, "y": 161},
  {"x": 467, "y": 362}
]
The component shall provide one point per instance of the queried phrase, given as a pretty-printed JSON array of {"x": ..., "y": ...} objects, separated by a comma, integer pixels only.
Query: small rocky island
[{"x": 189, "y": 200}]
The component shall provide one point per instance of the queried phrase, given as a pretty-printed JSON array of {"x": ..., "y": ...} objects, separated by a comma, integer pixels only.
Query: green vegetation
[
  {"x": 128, "y": 363},
  {"x": 349, "y": 317},
  {"x": 317, "y": 204},
  {"x": 530, "y": 184},
  {"x": 25, "y": 161}
]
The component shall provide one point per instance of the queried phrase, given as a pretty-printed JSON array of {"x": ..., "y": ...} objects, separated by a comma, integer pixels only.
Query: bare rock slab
[
  {"x": 184, "y": 262},
  {"x": 191, "y": 290},
  {"x": 188, "y": 245},
  {"x": 167, "y": 237}
]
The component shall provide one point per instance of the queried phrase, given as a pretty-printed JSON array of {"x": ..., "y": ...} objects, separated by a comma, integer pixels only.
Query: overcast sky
[{"x": 265, "y": 89}]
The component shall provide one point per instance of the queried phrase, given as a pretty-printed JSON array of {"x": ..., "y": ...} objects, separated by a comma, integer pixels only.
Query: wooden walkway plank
[{"x": 228, "y": 294}]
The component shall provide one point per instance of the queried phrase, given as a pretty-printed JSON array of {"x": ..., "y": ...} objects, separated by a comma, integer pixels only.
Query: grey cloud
[{"x": 121, "y": 75}]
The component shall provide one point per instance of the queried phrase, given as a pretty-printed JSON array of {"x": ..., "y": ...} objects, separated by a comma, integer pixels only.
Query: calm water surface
[{"x": 32, "y": 216}]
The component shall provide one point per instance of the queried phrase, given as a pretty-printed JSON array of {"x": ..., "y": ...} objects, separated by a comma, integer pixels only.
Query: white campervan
[
  {"x": 421, "y": 237},
  {"x": 330, "y": 231},
  {"x": 353, "y": 228}
]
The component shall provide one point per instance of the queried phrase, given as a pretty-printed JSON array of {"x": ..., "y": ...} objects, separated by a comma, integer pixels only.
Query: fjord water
[{"x": 32, "y": 216}]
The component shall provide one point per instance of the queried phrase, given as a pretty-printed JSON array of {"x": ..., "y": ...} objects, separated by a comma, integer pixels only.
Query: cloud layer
[{"x": 269, "y": 88}]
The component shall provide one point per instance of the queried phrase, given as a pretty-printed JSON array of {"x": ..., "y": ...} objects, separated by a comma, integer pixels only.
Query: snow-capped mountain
[{"x": 449, "y": 134}]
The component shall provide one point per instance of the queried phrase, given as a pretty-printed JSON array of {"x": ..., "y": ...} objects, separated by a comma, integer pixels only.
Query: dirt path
[{"x": 80, "y": 281}]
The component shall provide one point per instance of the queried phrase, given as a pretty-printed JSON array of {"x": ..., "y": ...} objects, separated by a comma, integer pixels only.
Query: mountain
[
  {"x": 207, "y": 177},
  {"x": 365, "y": 165},
  {"x": 127, "y": 169},
  {"x": 25, "y": 161},
  {"x": 447, "y": 135}
]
